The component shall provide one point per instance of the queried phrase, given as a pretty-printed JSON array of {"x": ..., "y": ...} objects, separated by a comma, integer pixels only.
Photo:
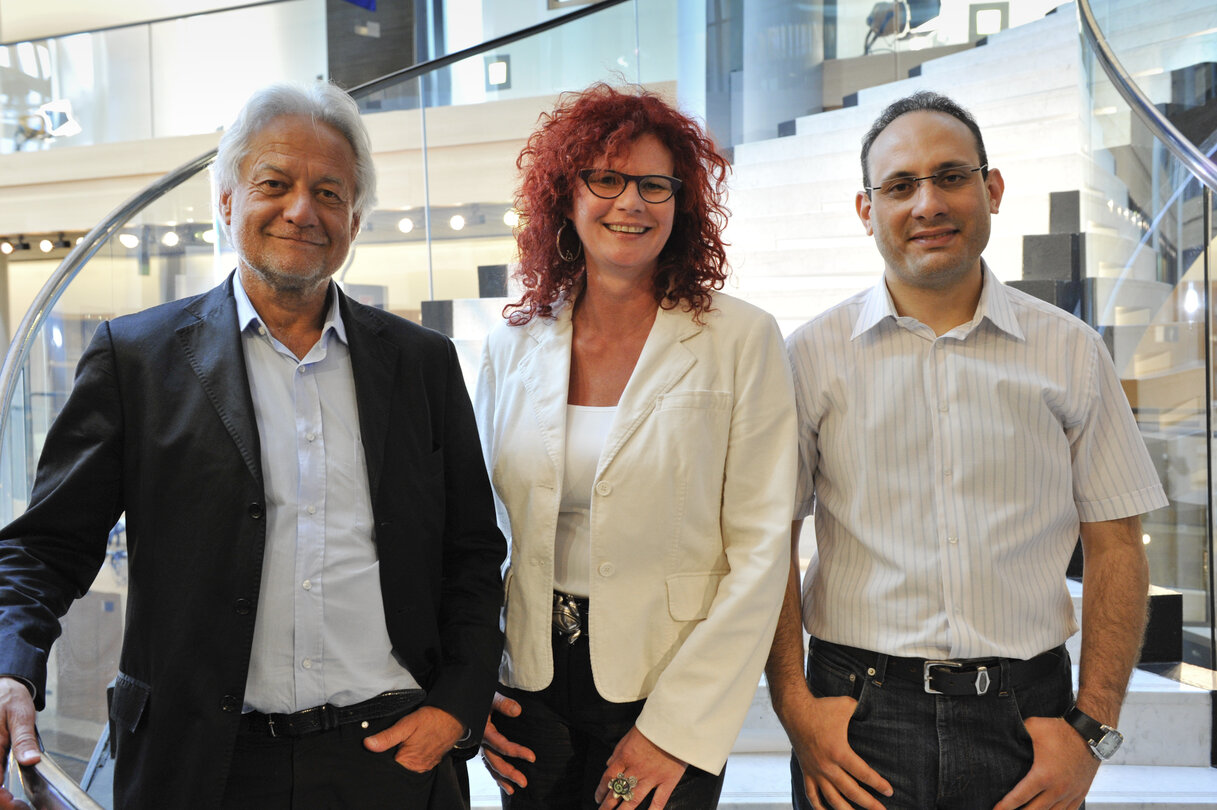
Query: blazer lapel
[
  {"x": 373, "y": 362},
  {"x": 664, "y": 360},
  {"x": 212, "y": 342},
  {"x": 545, "y": 374}
]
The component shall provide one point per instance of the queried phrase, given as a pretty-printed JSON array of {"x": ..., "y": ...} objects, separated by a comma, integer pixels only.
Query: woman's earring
[{"x": 566, "y": 255}]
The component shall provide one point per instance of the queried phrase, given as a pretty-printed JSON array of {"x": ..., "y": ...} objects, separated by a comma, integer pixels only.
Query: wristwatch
[{"x": 1103, "y": 740}]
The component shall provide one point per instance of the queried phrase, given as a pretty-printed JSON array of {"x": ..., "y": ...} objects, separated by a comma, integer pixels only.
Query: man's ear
[
  {"x": 226, "y": 207},
  {"x": 862, "y": 203},
  {"x": 354, "y": 226},
  {"x": 996, "y": 186}
]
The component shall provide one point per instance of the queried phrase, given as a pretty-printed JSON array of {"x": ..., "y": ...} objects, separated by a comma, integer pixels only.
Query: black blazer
[{"x": 160, "y": 425}]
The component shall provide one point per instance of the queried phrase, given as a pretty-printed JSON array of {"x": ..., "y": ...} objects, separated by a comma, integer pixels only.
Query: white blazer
[{"x": 689, "y": 521}]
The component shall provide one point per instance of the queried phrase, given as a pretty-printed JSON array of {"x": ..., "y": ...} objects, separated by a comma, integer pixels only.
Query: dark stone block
[
  {"x": 1058, "y": 256},
  {"x": 1164, "y": 633},
  {"x": 786, "y": 128},
  {"x": 437, "y": 315},
  {"x": 492, "y": 280},
  {"x": 1064, "y": 294},
  {"x": 1064, "y": 212}
]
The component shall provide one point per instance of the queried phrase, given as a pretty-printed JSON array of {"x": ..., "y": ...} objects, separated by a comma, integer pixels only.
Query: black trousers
[{"x": 331, "y": 770}]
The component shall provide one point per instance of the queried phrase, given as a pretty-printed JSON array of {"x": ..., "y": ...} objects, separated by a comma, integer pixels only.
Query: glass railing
[{"x": 1149, "y": 266}]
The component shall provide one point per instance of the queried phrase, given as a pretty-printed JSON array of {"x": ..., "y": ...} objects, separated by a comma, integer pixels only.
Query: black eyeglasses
[
  {"x": 608, "y": 184},
  {"x": 955, "y": 178}
]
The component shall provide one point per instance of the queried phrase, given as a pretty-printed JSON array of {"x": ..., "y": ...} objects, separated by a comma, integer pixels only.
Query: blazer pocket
[
  {"x": 690, "y": 595},
  {"x": 696, "y": 400},
  {"x": 129, "y": 701}
]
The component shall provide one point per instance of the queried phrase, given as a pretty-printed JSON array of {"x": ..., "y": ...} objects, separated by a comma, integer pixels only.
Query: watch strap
[{"x": 1094, "y": 733}]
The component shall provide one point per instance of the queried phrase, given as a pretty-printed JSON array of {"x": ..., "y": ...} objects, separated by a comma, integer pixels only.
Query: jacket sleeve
[
  {"x": 700, "y": 700},
  {"x": 472, "y": 587},
  {"x": 50, "y": 555}
]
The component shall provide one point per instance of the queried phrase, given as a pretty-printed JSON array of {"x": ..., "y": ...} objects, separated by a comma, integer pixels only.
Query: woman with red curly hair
[{"x": 640, "y": 432}]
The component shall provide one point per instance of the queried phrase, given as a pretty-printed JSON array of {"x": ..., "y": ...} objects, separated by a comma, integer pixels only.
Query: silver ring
[{"x": 622, "y": 786}]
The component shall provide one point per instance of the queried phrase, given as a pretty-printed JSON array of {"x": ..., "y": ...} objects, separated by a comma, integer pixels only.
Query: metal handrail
[
  {"x": 66, "y": 272},
  {"x": 1161, "y": 127},
  {"x": 46, "y": 786}
]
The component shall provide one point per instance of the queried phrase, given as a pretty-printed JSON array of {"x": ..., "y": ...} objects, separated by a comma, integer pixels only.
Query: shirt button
[
  {"x": 312, "y": 510},
  {"x": 230, "y": 703},
  {"x": 311, "y": 436},
  {"x": 255, "y": 510},
  {"x": 953, "y": 540},
  {"x": 607, "y": 569},
  {"x": 261, "y": 330},
  {"x": 301, "y": 369},
  {"x": 243, "y": 606},
  {"x": 307, "y": 663},
  {"x": 307, "y": 585},
  {"x": 604, "y": 488}
]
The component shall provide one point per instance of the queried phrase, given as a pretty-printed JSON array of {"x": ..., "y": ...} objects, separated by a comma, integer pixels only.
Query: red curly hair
[{"x": 578, "y": 134}]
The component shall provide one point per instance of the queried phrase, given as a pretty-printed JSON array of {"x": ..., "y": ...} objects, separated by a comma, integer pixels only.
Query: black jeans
[
  {"x": 937, "y": 751},
  {"x": 573, "y": 730}
]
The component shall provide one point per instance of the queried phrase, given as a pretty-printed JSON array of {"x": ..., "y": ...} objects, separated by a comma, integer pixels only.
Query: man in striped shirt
[{"x": 956, "y": 438}]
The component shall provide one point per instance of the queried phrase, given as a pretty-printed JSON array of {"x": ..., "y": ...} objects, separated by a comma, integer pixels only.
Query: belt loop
[
  {"x": 1007, "y": 675},
  {"x": 880, "y": 669}
]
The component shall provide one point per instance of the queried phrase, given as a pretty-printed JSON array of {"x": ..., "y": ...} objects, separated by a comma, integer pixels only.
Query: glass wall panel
[{"x": 1147, "y": 290}]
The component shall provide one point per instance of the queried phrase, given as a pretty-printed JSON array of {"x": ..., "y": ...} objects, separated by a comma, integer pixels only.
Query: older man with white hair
[{"x": 314, "y": 563}]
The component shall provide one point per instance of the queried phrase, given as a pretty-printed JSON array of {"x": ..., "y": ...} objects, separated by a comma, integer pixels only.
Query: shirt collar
[
  {"x": 248, "y": 317},
  {"x": 994, "y": 305}
]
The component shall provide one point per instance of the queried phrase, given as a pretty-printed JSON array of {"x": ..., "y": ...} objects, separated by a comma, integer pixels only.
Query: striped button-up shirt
[{"x": 949, "y": 473}]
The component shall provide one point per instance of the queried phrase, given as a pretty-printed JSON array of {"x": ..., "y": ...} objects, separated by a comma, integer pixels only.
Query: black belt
[
  {"x": 329, "y": 716},
  {"x": 966, "y": 676}
]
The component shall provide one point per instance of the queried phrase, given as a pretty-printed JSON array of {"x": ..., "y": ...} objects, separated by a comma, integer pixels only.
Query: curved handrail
[
  {"x": 48, "y": 787},
  {"x": 66, "y": 272},
  {"x": 1179, "y": 145}
]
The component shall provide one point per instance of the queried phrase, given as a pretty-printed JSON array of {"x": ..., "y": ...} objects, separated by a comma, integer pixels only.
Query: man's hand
[
  {"x": 496, "y": 747},
  {"x": 1061, "y": 771},
  {"x": 17, "y": 723},
  {"x": 831, "y": 770},
  {"x": 422, "y": 738},
  {"x": 654, "y": 768}
]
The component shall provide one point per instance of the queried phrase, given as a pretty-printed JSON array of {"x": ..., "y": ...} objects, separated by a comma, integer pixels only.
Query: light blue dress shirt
[{"x": 320, "y": 634}]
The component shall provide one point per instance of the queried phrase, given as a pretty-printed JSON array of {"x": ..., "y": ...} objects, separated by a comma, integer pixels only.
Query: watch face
[{"x": 1108, "y": 744}]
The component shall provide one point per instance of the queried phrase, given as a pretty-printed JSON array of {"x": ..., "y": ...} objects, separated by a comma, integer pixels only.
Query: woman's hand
[
  {"x": 655, "y": 769},
  {"x": 496, "y": 747}
]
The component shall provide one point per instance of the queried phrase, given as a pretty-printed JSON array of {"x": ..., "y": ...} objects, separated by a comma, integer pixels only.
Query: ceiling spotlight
[
  {"x": 511, "y": 218},
  {"x": 6, "y": 247},
  {"x": 46, "y": 245},
  {"x": 457, "y": 222},
  {"x": 129, "y": 240},
  {"x": 170, "y": 239},
  {"x": 405, "y": 224},
  {"x": 209, "y": 236}
]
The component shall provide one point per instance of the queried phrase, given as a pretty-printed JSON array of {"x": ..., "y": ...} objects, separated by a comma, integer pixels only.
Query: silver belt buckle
[
  {"x": 567, "y": 620},
  {"x": 982, "y": 676}
]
